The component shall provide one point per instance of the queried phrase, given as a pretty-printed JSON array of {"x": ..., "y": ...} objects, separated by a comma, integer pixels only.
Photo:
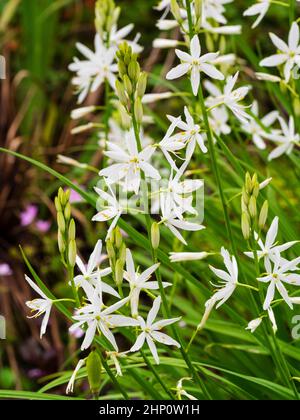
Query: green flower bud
[
  {"x": 57, "y": 204},
  {"x": 67, "y": 211},
  {"x": 127, "y": 85},
  {"x": 263, "y": 215},
  {"x": 245, "y": 226},
  {"x": 72, "y": 253},
  {"x": 118, "y": 238},
  {"x": 252, "y": 206},
  {"x": 175, "y": 9},
  {"x": 119, "y": 270},
  {"x": 94, "y": 368},
  {"x": 61, "y": 242},
  {"x": 138, "y": 110},
  {"x": 142, "y": 85},
  {"x": 248, "y": 184},
  {"x": 121, "y": 92},
  {"x": 125, "y": 117},
  {"x": 122, "y": 68},
  {"x": 110, "y": 250},
  {"x": 61, "y": 196},
  {"x": 122, "y": 253},
  {"x": 134, "y": 70},
  {"x": 61, "y": 222},
  {"x": 155, "y": 235},
  {"x": 198, "y": 8},
  {"x": 72, "y": 230}
]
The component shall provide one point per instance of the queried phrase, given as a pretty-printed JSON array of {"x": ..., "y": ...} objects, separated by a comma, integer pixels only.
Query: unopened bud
[
  {"x": 127, "y": 84},
  {"x": 121, "y": 92},
  {"x": 119, "y": 270},
  {"x": 72, "y": 253},
  {"x": 67, "y": 211},
  {"x": 110, "y": 250},
  {"x": 138, "y": 110},
  {"x": 134, "y": 71},
  {"x": 252, "y": 206},
  {"x": 57, "y": 204},
  {"x": 175, "y": 9},
  {"x": 118, "y": 237},
  {"x": 142, "y": 85},
  {"x": 245, "y": 226},
  {"x": 61, "y": 222},
  {"x": 61, "y": 242},
  {"x": 94, "y": 367},
  {"x": 263, "y": 215},
  {"x": 155, "y": 235},
  {"x": 72, "y": 230}
]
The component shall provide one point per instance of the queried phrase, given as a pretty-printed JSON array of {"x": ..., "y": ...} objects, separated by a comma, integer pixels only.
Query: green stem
[
  {"x": 112, "y": 377},
  {"x": 155, "y": 260}
]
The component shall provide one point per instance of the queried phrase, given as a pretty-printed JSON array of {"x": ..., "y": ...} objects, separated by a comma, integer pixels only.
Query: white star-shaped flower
[
  {"x": 289, "y": 54},
  {"x": 195, "y": 63},
  {"x": 151, "y": 331}
]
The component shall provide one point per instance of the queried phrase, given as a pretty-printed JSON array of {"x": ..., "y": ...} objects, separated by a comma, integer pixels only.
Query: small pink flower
[
  {"x": 5, "y": 270},
  {"x": 43, "y": 225},
  {"x": 28, "y": 215}
]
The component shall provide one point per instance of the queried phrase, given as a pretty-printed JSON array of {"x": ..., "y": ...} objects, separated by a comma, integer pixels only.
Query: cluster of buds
[
  {"x": 107, "y": 15},
  {"x": 251, "y": 219},
  {"x": 131, "y": 85},
  {"x": 66, "y": 228},
  {"x": 116, "y": 251}
]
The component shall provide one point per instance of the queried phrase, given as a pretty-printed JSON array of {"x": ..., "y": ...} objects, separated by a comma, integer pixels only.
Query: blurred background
[{"x": 37, "y": 39}]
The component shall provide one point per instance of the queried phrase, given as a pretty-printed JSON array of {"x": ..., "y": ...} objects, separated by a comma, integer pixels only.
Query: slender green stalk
[
  {"x": 112, "y": 377},
  {"x": 158, "y": 276}
]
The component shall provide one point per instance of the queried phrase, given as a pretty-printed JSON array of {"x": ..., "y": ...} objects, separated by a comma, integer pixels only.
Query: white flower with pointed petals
[
  {"x": 173, "y": 220},
  {"x": 113, "y": 210},
  {"x": 41, "y": 306},
  {"x": 195, "y": 63},
  {"x": 260, "y": 8},
  {"x": 117, "y": 36},
  {"x": 89, "y": 273},
  {"x": 289, "y": 54},
  {"x": 229, "y": 279},
  {"x": 151, "y": 331},
  {"x": 95, "y": 69},
  {"x": 258, "y": 131},
  {"x": 231, "y": 98},
  {"x": 189, "y": 134},
  {"x": 281, "y": 272},
  {"x": 218, "y": 120},
  {"x": 100, "y": 318},
  {"x": 270, "y": 249},
  {"x": 214, "y": 9},
  {"x": 130, "y": 164},
  {"x": 286, "y": 140},
  {"x": 139, "y": 282},
  {"x": 228, "y": 284}
]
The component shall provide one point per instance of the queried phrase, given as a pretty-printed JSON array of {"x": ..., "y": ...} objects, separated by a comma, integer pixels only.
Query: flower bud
[
  {"x": 67, "y": 211},
  {"x": 118, "y": 237},
  {"x": 94, "y": 367},
  {"x": 61, "y": 242},
  {"x": 121, "y": 92},
  {"x": 119, "y": 270},
  {"x": 138, "y": 110},
  {"x": 245, "y": 226},
  {"x": 110, "y": 250},
  {"x": 72, "y": 253},
  {"x": 155, "y": 235},
  {"x": 175, "y": 9},
  {"x": 252, "y": 206},
  {"x": 127, "y": 85},
  {"x": 72, "y": 230},
  {"x": 125, "y": 117},
  {"x": 263, "y": 215},
  {"x": 61, "y": 222},
  {"x": 142, "y": 85},
  {"x": 134, "y": 70},
  {"x": 57, "y": 204}
]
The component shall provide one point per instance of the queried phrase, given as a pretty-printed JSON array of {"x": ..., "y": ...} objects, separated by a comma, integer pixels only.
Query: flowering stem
[
  {"x": 190, "y": 18},
  {"x": 112, "y": 376},
  {"x": 74, "y": 290},
  {"x": 248, "y": 286},
  {"x": 157, "y": 272},
  {"x": 276, "y": 352}
]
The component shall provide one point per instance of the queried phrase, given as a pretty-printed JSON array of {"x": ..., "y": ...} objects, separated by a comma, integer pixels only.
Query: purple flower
[
  {"x": 5, "y": 270},
  {"x": 28, "y": 215},
  {"x": 43, "y": 225}
]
